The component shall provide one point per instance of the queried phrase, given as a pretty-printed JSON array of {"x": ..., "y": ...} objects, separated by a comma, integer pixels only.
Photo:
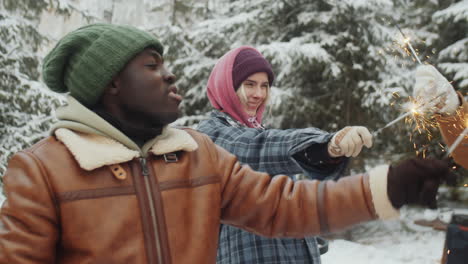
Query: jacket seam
[
  {"x": 45, "y": 177},
  {"x": 187, "y": 183},
  {"x": 215, "y": 157},
  {"x": 95, "y": 193},
  {"x": 322, "y": 211},
  {"x": 213, "y": 154},
  {"x": 368, "y": 195},
  {"x": 38, "y": 145},
  {"x": 205, "y": 143}
]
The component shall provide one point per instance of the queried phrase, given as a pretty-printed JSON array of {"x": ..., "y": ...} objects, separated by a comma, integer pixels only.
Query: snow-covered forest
[{"x": 337, "y": 62}]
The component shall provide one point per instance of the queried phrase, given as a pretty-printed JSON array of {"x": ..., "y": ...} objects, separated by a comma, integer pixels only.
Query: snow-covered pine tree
[
  {"x": 438, "y": 31},
  {"x": 325, "y": 55},
  {"x": 452, "y": 28},
  {"x": 25, "y": 105},
  {"x": 337, "y": 62}
]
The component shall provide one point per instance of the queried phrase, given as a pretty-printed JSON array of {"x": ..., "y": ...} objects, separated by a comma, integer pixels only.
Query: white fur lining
[
  {"x": 93, "y": 151},
  {"x": 172, "y": 140},
  {"x": 378, "y": 187}
]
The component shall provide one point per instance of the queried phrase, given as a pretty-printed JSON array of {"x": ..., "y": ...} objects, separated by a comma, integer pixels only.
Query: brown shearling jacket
[
  {"x": 451, "y": 127},
  {"x": 79, "y": 197}
]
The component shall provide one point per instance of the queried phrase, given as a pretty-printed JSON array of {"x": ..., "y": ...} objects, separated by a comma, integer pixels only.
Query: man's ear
[{"x": 113, "y": 87}]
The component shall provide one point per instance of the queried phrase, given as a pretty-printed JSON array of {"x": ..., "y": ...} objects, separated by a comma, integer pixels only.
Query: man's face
[{"x": 146, "y": 91}]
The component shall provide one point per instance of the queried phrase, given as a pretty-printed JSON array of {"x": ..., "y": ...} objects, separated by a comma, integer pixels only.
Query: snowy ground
[{"x": 393, "y": 242}]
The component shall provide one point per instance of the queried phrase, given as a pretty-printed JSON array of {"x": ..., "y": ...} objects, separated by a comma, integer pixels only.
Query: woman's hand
[{"x": 349, "y": 141}]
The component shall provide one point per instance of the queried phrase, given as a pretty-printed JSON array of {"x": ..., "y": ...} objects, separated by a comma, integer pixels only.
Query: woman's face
[{"x": 253, "y": 92}]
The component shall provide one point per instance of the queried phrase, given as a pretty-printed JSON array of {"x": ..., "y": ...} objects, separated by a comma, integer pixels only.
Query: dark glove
[{"x": 415, "y": 181}]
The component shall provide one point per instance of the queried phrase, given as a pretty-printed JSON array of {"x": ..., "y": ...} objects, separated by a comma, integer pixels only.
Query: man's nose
[{"x": 169, "y": 77}]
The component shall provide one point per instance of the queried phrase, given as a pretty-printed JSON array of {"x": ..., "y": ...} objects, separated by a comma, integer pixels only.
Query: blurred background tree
[{"x": 337, "y": 63}]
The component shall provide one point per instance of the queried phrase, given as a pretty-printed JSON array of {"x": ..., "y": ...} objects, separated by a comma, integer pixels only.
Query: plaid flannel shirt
[{"x": 270, "y": 151}]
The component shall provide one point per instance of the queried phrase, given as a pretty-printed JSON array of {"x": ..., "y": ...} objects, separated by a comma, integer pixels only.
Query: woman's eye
[{"x": 249, "y": 85}]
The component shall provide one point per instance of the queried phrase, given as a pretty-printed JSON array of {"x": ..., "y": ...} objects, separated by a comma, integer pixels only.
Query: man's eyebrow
[{"x": 156, "y": 54}]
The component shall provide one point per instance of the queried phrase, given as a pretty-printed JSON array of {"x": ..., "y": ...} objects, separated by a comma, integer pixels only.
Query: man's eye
[{"x": 151, "y": 65}]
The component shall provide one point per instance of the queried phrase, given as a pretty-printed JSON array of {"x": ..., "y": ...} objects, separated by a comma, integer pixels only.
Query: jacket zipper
[{"x": 149, "y": 192}]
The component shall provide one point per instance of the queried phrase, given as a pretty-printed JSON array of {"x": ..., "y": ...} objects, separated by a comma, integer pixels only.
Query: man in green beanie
[{"x": 115, "y": 184}]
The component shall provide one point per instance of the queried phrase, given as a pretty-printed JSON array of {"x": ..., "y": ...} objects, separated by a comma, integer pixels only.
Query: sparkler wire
[
  {"x": 457, "y": 142},
  {"x": 406, "y": 114},
  {"x": 407, "y": 41},
  {"x": 422, "y": 107},
  {"x": 376, "y": 132}
]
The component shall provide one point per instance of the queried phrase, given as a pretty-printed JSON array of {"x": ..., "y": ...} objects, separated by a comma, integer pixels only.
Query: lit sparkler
[
  {"x": 406, "y": 40},
  {"x": 376, "y": 132},
  {"x": 415, "y": 113},
  {"x": 422, "y": 123}
]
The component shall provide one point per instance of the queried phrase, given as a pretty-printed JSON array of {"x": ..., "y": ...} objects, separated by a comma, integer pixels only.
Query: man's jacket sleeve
[
  {"x": 278, "y": 206},
  {"x": 28, "y": 224},
  {"x": 451, "y": 127}
]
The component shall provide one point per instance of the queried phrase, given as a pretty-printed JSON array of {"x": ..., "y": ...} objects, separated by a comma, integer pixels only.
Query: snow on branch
[{"x": 457, "y": 12}]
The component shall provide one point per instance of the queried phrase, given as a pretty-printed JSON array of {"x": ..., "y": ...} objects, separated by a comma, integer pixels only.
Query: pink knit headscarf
[{"x": 221, "y": 92}]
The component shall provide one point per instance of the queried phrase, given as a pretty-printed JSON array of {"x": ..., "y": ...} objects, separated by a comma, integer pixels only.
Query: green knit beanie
[{"x": 85, "y": 60}]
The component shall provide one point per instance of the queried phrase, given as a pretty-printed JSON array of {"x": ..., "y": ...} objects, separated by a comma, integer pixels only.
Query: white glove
[
  {"x": 349, "y": 141},
  {"x": 433, "y": 91}
]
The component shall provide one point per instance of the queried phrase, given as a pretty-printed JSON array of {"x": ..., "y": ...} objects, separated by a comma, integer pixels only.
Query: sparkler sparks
[
  {"x": 406, "y": 40},
  {"x": 415, "y": 114},
  {"x": 419, "y": 111},
  {"x": 421, "y": 122}
]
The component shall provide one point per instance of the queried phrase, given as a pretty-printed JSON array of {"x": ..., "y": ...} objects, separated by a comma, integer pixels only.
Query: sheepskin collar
[{"x": 92, "y": 151}]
